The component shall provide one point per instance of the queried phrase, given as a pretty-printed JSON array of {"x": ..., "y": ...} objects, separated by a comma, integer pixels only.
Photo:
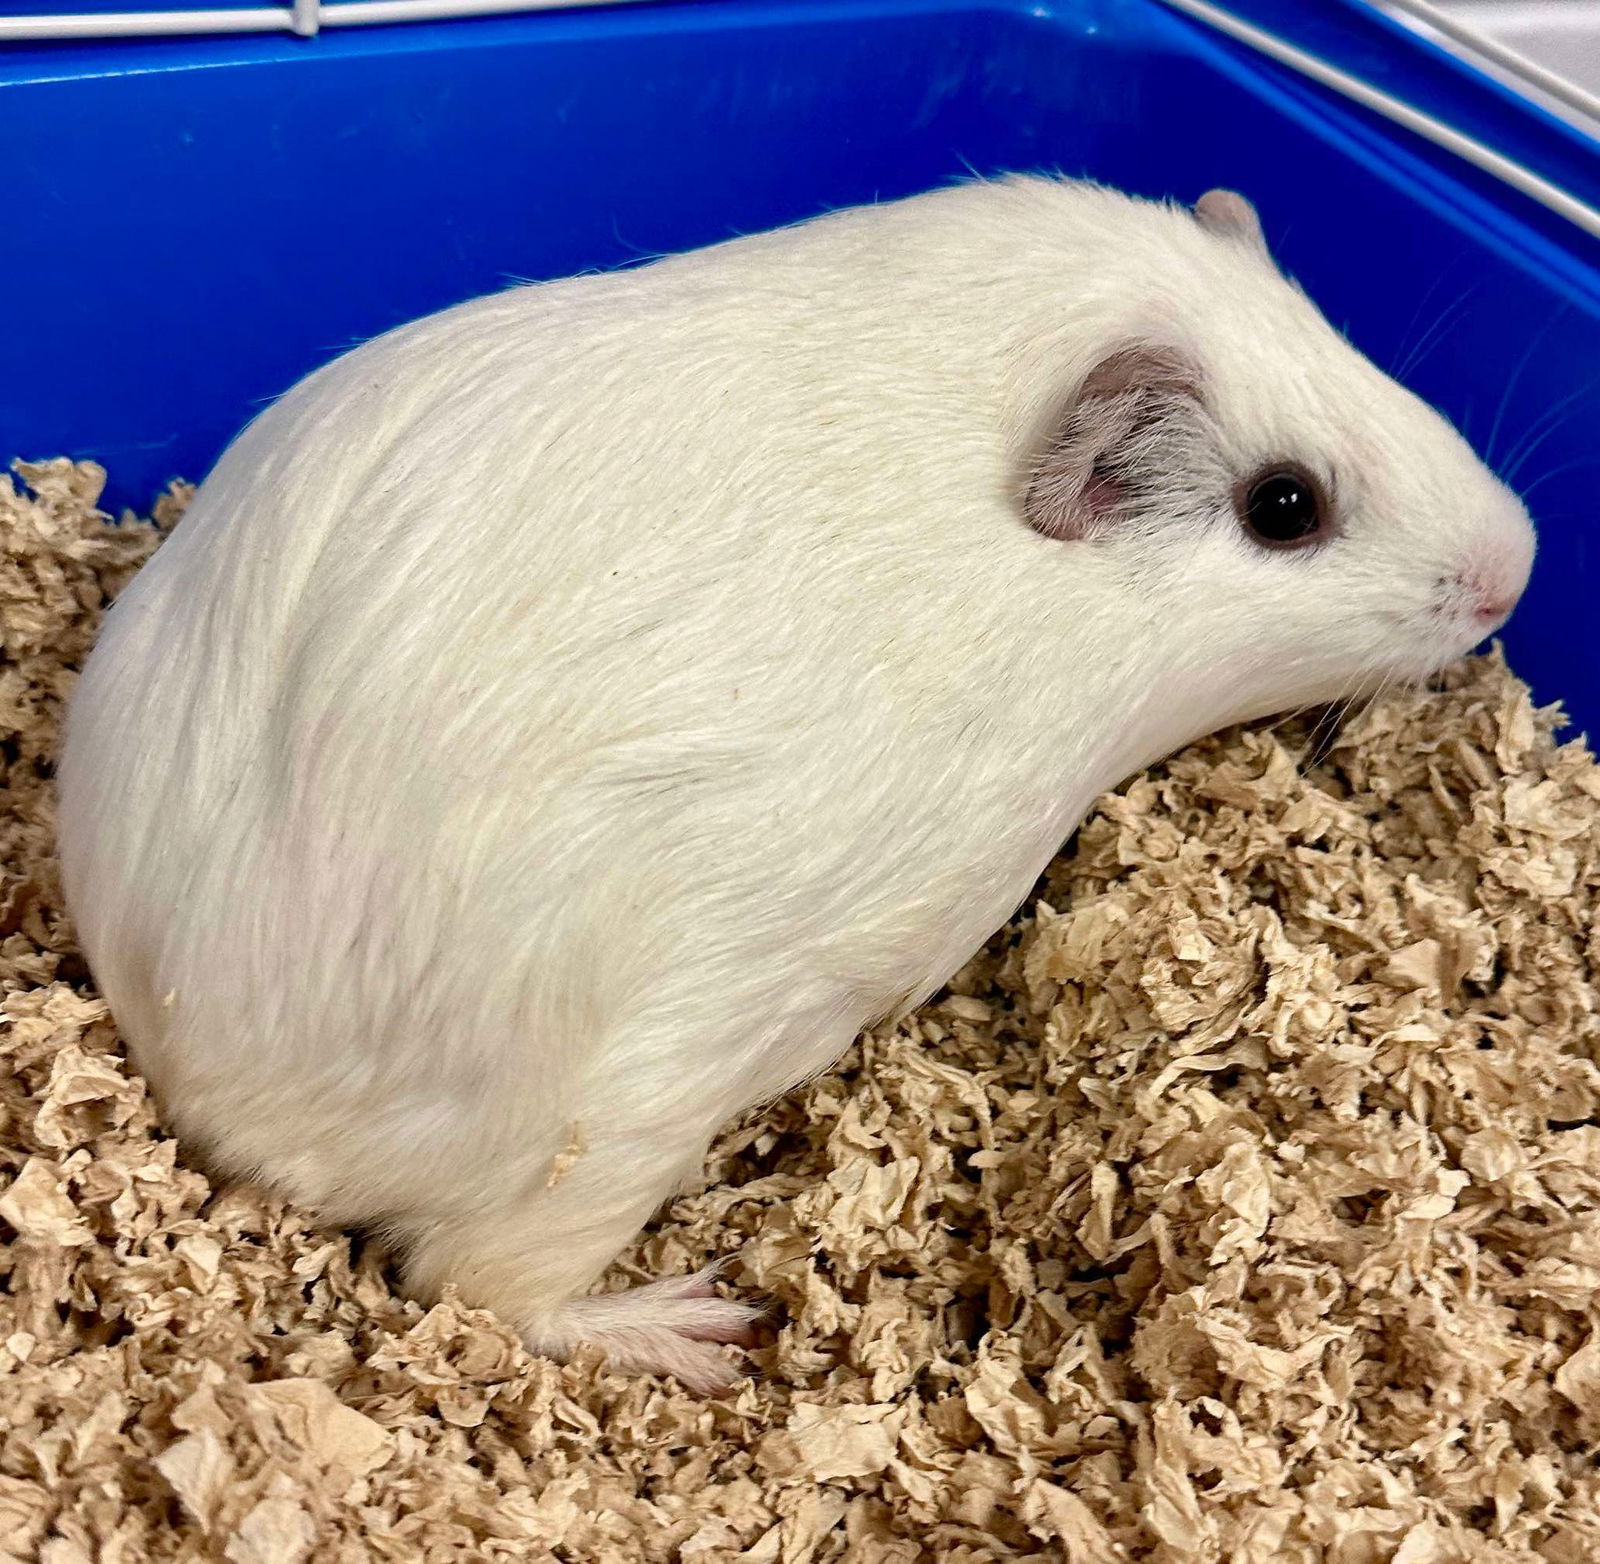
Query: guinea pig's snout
[
  {"x": 1488, "y": 600},
  {"x": 1490, "y": 586},
  {"x": 1492, "y": 571}
]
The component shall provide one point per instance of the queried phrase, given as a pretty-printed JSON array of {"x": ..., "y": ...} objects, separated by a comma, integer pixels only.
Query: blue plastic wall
[{"x": 194, "y": 224}]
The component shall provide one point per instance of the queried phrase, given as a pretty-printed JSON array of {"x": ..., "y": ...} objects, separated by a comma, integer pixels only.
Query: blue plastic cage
[{"x": 196, "y": 222}]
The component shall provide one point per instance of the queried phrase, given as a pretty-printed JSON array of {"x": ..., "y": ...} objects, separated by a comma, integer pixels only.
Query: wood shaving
[
  {"x": 570, "y": 1155},
  {"x": 1236, "y": 1205}
]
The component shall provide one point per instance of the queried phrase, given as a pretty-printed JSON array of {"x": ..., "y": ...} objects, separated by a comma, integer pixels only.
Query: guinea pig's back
[
  {"x": 482, "y": 650},
  {"x": 560, "y": 659}
]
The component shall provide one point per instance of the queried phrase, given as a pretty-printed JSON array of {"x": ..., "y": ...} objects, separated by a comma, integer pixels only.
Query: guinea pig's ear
[
  {"x": 1227, "y": 214},
  {"x": 1081, "y": 483}
]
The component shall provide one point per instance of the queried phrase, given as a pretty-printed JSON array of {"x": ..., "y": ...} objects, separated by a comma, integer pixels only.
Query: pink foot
[{"x": 668, "y": 1327}]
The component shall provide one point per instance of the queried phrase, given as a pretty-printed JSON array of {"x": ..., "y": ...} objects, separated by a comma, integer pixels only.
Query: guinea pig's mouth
[{"x": 1468, "y": 611}]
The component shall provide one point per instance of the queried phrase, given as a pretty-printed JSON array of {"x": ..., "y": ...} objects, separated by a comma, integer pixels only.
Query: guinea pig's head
[{"x": 1289, "y": 525}]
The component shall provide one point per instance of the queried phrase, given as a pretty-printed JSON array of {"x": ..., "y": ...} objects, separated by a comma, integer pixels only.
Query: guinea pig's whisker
[
  {"x": 1551, "y": 420},
  {"x": 1535, "y": 343},
  {"x": 1433, "y": 336},
  {"x": 1330, "y": 716},
  {"x": 1557, "y": 472}
]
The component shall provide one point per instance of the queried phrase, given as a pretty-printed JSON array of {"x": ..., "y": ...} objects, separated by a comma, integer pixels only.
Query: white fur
[{"x": 594, "y": 703}]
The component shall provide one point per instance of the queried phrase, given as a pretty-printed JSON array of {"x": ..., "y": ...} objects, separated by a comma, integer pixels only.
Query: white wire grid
[
  {"x": 307, "y": 18},
  {"x": 304, "y": 17}
]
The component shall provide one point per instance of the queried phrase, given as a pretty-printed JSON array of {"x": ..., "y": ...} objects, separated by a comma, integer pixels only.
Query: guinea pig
[{"x": 564, "y": 722}]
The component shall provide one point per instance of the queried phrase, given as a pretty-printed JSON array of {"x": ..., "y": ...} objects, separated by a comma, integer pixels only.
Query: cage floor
[{"x": 1238, "y": 1203}]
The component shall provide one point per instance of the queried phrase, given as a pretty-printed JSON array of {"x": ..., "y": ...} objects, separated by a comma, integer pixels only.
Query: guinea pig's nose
[
  {"x": 1492, "y": 609},
  {"x": 1489, "y": 597}
]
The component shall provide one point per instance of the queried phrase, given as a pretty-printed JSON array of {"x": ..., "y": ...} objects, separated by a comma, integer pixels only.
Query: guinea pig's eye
[{"x": 1282, "y": 508}]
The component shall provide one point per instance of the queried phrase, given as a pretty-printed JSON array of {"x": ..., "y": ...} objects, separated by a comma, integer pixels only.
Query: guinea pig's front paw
[{"x": 675, "y": 1326}]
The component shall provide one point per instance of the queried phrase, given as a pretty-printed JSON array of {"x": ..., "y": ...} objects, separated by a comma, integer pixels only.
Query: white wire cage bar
[
  {"x": 306, "y": 18},
  {"x": 1512, "y": 63}
]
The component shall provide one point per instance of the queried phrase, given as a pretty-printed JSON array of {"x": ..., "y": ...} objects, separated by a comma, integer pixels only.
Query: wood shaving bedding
[{"x": 1236, "y": 1205}]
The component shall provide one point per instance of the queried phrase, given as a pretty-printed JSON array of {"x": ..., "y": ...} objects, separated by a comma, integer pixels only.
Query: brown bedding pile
[{"x": 1237, "y": 1205}]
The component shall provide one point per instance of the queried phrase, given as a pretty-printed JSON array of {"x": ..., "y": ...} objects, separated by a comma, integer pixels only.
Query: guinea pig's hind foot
[{"x": 675, "y": 1326}]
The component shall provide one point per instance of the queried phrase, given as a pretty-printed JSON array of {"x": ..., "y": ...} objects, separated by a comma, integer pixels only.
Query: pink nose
[{"x": 1491, "y": 600}]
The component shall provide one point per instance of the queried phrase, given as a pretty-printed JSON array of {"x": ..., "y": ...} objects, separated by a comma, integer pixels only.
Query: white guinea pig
[{"x": 568, "y": 719}]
